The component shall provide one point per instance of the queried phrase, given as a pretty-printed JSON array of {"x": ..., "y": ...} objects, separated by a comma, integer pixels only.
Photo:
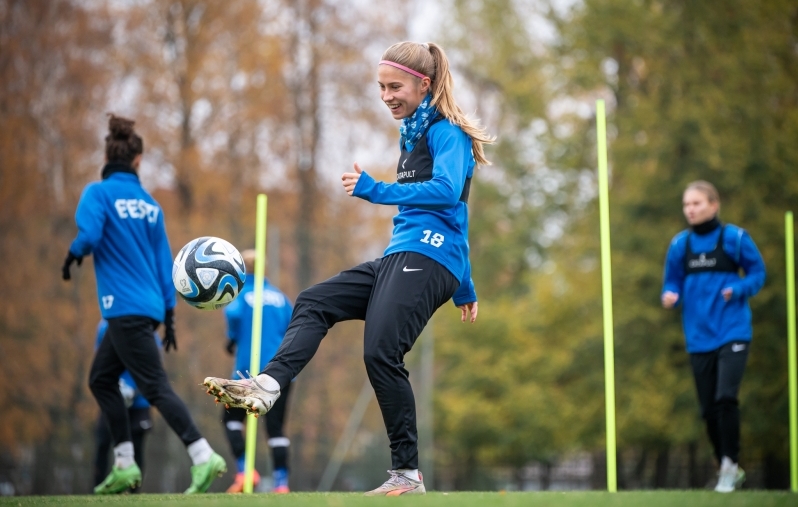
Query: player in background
[
  {"x": 425, "y": 264},
  {"x": 123, "y": 227},
  {"x": 138, "y": 411},
  {"x": 276, "y": 315},
  {"x": 702, "y": 275}
]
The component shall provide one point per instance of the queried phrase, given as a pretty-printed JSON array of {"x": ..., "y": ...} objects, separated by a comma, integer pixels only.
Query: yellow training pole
[
  {"x": 257, "y": 324},
  {"x": 789, "y": 241},
  {"x": 606, "y": 294}
]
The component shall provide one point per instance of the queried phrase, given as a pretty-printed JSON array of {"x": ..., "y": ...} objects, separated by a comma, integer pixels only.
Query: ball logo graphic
[{"x": 208, "y": 273}]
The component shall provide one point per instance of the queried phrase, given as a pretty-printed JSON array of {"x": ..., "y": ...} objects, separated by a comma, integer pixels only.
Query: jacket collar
[
  {"x": 706, "y": 227},
  {"x": 114, "y": 167}
]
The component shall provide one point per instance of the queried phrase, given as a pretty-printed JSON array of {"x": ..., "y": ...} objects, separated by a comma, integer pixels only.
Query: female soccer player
[
  {"x": 702, "y": 275},
  {"x": 426, "y": 262},
  {"x": 122, "y": 225}
]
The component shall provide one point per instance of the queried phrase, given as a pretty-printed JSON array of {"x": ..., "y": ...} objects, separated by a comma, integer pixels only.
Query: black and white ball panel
[{"x": 208, "y": 273}]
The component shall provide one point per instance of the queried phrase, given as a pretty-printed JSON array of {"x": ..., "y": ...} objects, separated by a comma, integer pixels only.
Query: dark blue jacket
[
  {"x": 276, "y": 316},
  {"x": 432, "y": 221},
  {"x": 123, "y": 227},
  {"x": 709, "y": 321}
]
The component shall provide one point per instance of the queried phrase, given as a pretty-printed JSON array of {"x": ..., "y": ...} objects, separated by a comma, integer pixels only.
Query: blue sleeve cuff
[
  {"x": 74, "y": 250},
  {"x": 364, "y": 186},
  {"x": 464, "y": 300},
  {"x": 738, "y": 290},
  {"x": 465, "y": 294}
]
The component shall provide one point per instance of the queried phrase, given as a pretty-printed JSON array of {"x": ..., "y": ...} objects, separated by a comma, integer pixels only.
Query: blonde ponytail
[{"x": 430, "y": 60}]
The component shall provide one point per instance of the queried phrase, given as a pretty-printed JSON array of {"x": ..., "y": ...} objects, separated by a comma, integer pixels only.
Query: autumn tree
[{"x": 51, "y": 110}]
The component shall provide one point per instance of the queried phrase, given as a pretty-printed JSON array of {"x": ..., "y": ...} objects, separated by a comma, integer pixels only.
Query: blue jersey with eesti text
[
  {"x": 139, "y": 401},
  {"x": 432, "y": 221},
  {"x": 708, "y": 320},
  {"x": 123, "y": 227},
  {"x": 276, "y": 316}
]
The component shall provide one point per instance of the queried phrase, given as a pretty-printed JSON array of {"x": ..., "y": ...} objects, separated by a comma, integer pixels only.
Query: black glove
[
  {"x": 231, "y": 347},
  {"x": 169, "y": 330},
  {"x": 70, "y": 258}
]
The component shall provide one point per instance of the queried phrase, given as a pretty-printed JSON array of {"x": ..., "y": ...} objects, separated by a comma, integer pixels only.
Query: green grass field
[{"x": 548, "y": 499}]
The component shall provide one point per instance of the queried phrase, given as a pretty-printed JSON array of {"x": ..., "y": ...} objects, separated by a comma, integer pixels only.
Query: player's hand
[
  {"x": 669, "y": 299},
  {"x": 727, "y": 293},
  {"x": 70, "y": 258},
  {"x": 465, "y": 309},
  {"x": 349, "y": 180},
  {"x": 231, "y": 347},
  {"x": 169, "y": 340}
]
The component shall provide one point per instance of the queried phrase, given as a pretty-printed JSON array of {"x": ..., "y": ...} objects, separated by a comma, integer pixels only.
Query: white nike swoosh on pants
[{"x": 408, "y": 270}]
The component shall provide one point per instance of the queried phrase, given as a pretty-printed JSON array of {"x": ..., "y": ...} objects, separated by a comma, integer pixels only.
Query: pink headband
[{"x": 402, "y": 67}]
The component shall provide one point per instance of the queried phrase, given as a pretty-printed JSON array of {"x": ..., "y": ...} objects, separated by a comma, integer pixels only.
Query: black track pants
[
  {"x": 396, "y": 296},
  {"x": 233, "y": 420},
  {"x": 717, "y": 378},
  {"x": 128, "y": 345}
]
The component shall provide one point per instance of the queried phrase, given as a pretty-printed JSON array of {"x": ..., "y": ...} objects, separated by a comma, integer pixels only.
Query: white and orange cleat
[
  {"x": 399, "y": 484},
  {"x": 255, "y": 394}
]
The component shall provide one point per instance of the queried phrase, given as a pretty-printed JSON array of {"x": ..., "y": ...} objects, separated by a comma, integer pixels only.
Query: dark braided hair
[{"x": 122, "y": 144}]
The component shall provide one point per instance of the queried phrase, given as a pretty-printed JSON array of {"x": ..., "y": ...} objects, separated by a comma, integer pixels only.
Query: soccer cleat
[
  {"x": 238, "y": 483},
  {"x": 730, "y": 478},
  {"x": 203, "y": 475},
  {"x": 119, "y": 480},
  {"x": 280, "y": 476},
  {"x": 399, "y": 484},
  {"x": 246, "y": 393},
  {"x": 740, "y": 479}
]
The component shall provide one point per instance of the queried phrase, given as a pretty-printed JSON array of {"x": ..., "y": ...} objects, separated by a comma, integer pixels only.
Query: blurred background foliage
[{"x": 278, "y": 96}]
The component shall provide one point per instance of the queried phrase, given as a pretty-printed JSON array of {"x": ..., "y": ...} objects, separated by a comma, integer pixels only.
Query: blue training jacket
[
  {"x": 432, "y": 221},
  {"x": 709, "y": 322},
  {"x": 139, "y": 401},
  {"x": 276, "y": 316},
  {"x": 123, "y": 227}
]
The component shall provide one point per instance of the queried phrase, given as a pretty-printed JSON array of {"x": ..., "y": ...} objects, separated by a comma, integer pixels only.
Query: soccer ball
[{"x": 208, "y": 273}]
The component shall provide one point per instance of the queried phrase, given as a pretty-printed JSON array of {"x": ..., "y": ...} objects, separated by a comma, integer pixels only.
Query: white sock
[
  {"x": 200, "y": 451},
  {"x": 410, "y": 474},
  {"x": 124, "y": 455},
  {"x": 268, "y": 382},
  {"x": 726, "y": 463}
]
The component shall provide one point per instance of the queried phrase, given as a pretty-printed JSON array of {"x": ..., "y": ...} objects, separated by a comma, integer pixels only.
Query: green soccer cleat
[
  {"x": 119, "y": 480},
  {"x": 203, "y": 475},
  {"x": 740, "y": 479}
]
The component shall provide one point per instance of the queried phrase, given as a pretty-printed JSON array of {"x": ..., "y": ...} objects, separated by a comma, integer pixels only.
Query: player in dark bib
[
  {"x": 276, "y": 313},
  {"x": 425, "y": 264},
  {"x": 710, "y": 272}
]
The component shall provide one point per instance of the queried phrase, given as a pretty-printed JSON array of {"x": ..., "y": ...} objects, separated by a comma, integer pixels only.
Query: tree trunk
[
  {"x": 306, "y": 91},
  {"x": 661, "y": 469},
  {"x": 640, "y": 470},
  {"x": 598, "y": 480},
  {"x": 694, "y": 479},
  {"x": 545, "y": 475}
]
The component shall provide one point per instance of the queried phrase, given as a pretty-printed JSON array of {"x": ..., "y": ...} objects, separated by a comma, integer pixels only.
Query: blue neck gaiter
[{"x": 415, "y": 125}]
